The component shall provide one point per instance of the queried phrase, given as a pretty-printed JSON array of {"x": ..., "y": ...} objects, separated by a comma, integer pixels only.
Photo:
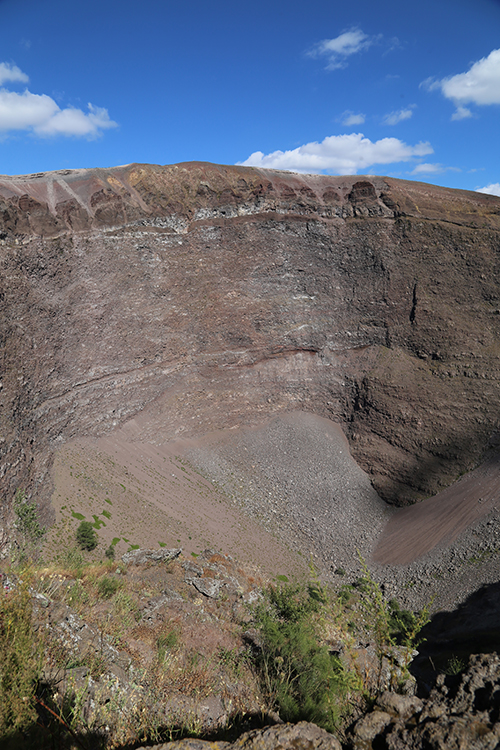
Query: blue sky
[{"x": 402, "y": 89}]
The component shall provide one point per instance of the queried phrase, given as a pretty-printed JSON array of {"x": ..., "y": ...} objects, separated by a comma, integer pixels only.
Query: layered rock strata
[{"x": 216, "y": 296}]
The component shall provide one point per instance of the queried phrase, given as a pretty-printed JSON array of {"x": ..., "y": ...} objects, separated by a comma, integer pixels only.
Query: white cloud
[
  {"x": 461, "y": 113},
  {"x": 393, "y": 118},
  {"x": 350, "y": 118},
  {"x": 428, "y": 169},
  {"x": 479, "y": 85},
  {"x": 338, "y": 49},
  {"x": 40, "y": 114},
  {"x": 493, "y": 189},
  {"x": 75, "y": 122},
  {"x": 12, "y": 73},
  {"x": 23, "y": 111},
  {"x": 339, "y": 154}
]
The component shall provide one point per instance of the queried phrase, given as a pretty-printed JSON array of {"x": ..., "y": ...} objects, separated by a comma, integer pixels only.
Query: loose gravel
[{"x": 297, "y": 477}]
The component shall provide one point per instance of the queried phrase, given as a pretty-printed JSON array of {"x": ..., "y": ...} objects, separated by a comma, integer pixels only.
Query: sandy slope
[
  {"x": 413, "y": 531},
  {"x": 262, "y": 493},
  {"x": 149, "y": 495},
  {"x": 277, "y": 495}
]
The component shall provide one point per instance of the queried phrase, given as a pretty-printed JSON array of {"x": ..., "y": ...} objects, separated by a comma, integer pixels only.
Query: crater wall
[{"x": 216, "y": 296}]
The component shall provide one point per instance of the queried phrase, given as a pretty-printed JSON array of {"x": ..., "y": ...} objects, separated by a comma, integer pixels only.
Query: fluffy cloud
[
  {"x": 393, "y": 118},
  {"x": 40, "y": 114},
  {"x": 12, "y": 73},
  {"x": 75, "y": 122},
  {"x": 339, "y": 154},
  {"x": 493, "y": 189},
  {"x": 479, "y": 85},
  {"x": 338, "y": 49},
  {"x": 349, "y": 118}
]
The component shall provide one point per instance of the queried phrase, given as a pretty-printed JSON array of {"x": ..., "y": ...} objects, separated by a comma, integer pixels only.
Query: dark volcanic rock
[
  {"x": 225, "y": 294},
  {"x": 461, "y": 712}
]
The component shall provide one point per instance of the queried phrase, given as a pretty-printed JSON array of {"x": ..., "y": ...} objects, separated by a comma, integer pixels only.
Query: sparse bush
[
  {"x": 27, "y": 523},
  {"x": 392, "y": 628},
  {"x": 125, "y": 612},
  {"x": 110, "y": 552},
  {"x": 300, "y": 676},
  {"x": 233, "y": 660},
  {"x": 86, "y": 536},
  {"x": 19, "y": 663},
  {"x": 454, "y": 666},
  {"x": 166, "y": 641},
  {"x": 77, "y": 596},
  {"x": 107, "y": 587}
]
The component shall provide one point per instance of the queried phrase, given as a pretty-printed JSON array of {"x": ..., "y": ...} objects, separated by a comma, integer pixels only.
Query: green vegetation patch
[
  {"x": 166, "y": 641},
  {"x": 97, "y": 522},
  {"x": 20, "y": 665},
  {"x": 108, "y": 586},
  {"x": 86, "y": 536},
  {"x": 27, "y": 522},
  {"x": 300, "y": 676}
]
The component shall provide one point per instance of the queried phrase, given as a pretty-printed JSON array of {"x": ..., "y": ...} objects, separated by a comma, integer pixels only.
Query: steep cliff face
[{"x": 221, "y": 295}]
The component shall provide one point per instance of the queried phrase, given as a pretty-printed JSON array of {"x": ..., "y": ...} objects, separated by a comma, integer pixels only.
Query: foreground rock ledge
[{"x": 301, "y": 736}]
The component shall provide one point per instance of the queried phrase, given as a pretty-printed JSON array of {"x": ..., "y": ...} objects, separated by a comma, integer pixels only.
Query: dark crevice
[{"x": 414, "y": 305}]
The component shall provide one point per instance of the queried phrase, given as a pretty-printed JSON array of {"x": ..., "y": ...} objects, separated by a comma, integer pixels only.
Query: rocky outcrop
[
  {"x": 462, "y": 711},
  {"x": 220, "y": 295},
  {"x": 141, "y": 556},
  {"x": 145, "y": 652}
]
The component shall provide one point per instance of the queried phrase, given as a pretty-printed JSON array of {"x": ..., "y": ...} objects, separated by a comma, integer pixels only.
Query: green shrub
[
  {"x": 110, "y": 552},
  {"x": 300, "y": 676},
  {"x": 454, "y": 666},
  {"x": 401, "y": 621},
  {"x": 345, "y": 594},
  {"x": 107, "y": 586},
  {"x": 390, "y": 626},
  {"x": 27, "y": 523},
  {"x": 86, "y": 536}
]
